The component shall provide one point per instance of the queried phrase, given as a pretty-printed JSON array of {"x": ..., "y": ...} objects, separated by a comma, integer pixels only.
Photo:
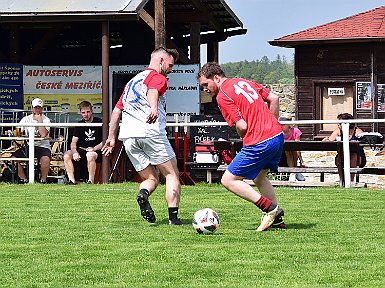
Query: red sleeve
[
  {"x": 119, "y": 104},
  {"x": 156, "y": 81},
  {"x": 229, "y": 110}
]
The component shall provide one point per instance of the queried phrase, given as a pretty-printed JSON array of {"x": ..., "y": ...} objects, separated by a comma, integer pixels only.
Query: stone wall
[{"x": 286, "y": 93}]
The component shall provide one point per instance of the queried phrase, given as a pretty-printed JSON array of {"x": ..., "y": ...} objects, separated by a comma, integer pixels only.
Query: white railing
[{"x": 185, "y": 124}]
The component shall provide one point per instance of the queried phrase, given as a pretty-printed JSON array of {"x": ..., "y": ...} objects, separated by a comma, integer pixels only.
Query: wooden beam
[
  {"x": 198, "y": 16},
  {"x": 213, "y": 51},
  {"x": 147, "y": 18},
  {"x": 217, "y": 26},
  {"x": 195, "y": 42},
  {"x": 183, "y": 58},
  {"x": 160, "y": 23},
  {"x": 105, "y": 94}
]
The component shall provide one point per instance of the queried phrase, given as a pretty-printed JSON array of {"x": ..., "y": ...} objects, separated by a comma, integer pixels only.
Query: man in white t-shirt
[{"x": 42, "y": 147}]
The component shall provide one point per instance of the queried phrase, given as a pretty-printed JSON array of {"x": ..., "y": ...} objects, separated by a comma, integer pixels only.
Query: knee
[
  {"x": 67, "y": 156},
  {"x": 91, "y": 156},
  {"x": 44, "y": 161}
]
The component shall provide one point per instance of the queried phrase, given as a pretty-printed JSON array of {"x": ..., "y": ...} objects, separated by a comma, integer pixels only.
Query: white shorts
[{"x": 154, "y": 150}]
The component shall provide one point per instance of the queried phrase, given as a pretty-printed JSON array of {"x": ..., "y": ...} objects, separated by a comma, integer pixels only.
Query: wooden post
[
  {"x": 105, "y": 98},
  {"x": 212, "y": 51},
  {"x": 160, "y": 26},
  {"x": 195, "y": 42}
]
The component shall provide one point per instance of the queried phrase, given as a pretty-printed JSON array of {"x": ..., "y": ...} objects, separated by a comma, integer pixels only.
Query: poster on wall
[
  {"x": 381, "y": 97},
  {"x": 62, "y": 88},
  {"x": 364, "y": 95}
]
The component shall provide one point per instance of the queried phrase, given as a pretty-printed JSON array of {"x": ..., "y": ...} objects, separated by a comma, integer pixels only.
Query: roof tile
[{"x": 369, "y": 24}]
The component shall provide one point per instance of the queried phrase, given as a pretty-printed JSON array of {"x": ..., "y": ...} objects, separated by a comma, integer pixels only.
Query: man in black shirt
[{"x": 85, "y": 145}]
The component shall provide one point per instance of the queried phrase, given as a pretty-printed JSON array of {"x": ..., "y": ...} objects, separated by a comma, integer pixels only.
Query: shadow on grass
[
  {"x": 300, "y": 226},
  {"x": 292, "y": 226},
  {"x": 186, "y": 222}
]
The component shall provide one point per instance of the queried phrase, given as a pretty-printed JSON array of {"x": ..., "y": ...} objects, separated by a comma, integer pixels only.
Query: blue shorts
[{"x": 251, "y": 160}]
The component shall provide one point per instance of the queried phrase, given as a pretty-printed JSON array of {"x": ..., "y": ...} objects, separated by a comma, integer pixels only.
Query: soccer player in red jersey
[{"x": 243, "y": 103}]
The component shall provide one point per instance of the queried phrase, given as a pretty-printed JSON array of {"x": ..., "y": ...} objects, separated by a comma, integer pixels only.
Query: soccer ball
[{"x": 205, "y": 221}]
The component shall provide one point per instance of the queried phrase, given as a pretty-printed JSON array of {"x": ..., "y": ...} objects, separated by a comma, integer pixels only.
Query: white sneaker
[{"x": 292, "y": 177}]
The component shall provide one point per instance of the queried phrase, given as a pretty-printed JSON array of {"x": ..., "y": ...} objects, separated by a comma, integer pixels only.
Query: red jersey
[{"x": 244, "y": 99}]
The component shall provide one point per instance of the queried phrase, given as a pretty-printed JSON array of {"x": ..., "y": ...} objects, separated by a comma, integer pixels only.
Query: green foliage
[
  {"x": 262, "y": 71},
  {"x": 93, "y": 236}
]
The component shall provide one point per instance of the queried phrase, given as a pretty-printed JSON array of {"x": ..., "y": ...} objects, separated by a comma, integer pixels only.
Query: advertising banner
[{"x": 62, "y": 88}]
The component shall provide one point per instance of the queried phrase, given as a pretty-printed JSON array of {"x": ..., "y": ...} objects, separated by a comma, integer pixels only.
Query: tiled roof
[{"x": 366, "y": 25}]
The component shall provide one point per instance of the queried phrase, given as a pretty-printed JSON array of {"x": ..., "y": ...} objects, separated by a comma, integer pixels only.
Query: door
[{"x": 335, "y": 98}]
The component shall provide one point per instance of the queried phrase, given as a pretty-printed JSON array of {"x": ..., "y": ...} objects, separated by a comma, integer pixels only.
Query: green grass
[{"x": 93, "y": 236}]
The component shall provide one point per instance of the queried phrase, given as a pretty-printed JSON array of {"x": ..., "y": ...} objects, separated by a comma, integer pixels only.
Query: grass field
[{"x": 93, "y": 236}]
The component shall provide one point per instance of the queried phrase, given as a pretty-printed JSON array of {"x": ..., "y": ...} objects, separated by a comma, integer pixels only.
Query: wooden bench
[{"x": 236, "y": 145}]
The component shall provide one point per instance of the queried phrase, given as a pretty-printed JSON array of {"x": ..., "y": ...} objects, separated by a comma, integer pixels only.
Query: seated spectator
[
  {"x": 291, "y": 158},
  {"x": 85, "y": 145},
  {"x": 356, "y": 159},
  {"x": 42, "y": 147}
]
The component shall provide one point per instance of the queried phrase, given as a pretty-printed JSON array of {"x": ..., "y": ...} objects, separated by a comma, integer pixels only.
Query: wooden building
[{"x": 340, "y": 67}]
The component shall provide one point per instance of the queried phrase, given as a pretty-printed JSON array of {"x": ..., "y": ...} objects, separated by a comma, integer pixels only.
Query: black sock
[
  {"x": 173, "y": 213},
  {"x": 144, "y": 191},
  {"x": 271, "y": 207}
]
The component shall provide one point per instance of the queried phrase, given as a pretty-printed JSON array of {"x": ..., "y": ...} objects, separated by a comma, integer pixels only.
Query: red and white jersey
[
  {"x": 135, "y": 106},
  {"x": 244, "y": 99}
]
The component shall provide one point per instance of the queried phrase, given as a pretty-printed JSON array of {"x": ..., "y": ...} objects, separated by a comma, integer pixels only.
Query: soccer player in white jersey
[{"x": 143, "y": 132}]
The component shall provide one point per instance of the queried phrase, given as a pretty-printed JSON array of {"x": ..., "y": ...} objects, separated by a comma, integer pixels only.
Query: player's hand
[
  {"x": 76, "y": 156},
  {"x": 152, "y": 116},
  {"x": 108, "y": 147}
]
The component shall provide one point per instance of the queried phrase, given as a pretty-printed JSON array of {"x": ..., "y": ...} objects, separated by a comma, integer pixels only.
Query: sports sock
[
  {"x": 173, "y": 213},
  {"x": 144, "y": 191},
  {"x": 265, "y": 204}
]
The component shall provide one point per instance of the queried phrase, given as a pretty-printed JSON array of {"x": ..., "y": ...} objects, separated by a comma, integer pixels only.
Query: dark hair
[
  {"x": 173, "y": 52},
  {"x": 346, "y": 116},
  {"x": 85, "y": 104},
  {"x": 210, "y": 69}
]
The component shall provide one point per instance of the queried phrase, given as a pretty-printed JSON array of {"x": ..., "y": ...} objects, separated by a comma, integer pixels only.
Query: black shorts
[
  {"x": 39, "y": 152},
  {"x": 83, "y": 153}
]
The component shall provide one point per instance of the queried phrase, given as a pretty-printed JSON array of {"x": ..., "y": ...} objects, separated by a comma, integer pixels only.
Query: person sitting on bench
[
  {"x": 42, "y": 147},
  {"x": 356, "y": 159},
  {"x": 290, "y": 158},
  {"x": 86, "y": 144}
]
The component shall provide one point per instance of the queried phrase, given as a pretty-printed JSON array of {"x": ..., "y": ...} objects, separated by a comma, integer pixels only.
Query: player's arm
[
  {"x": 113, "y": 129},
  {"x": 241, "y": 127},
  {"x": 152, "y": 97},
  {"x": 273, "y": 103},
  {"x": 75, "y": 154}
]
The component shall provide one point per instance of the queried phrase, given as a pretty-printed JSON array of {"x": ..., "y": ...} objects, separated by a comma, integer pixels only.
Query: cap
[{"x": 37, "y": 102}]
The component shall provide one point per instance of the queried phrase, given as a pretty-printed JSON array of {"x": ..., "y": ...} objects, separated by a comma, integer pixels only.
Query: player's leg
[
  {"x": 148, "y": 174},
  {"x": 170, "y": 171},
  {"x": 44, "y": 157},
  {"x": 162, "y": 155},
  {"x": 91, "y": 165},
  {"x": 236, "y": 185},
  {"x": 264, "y": 186},
  {"x": 69, "y": 166}
]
